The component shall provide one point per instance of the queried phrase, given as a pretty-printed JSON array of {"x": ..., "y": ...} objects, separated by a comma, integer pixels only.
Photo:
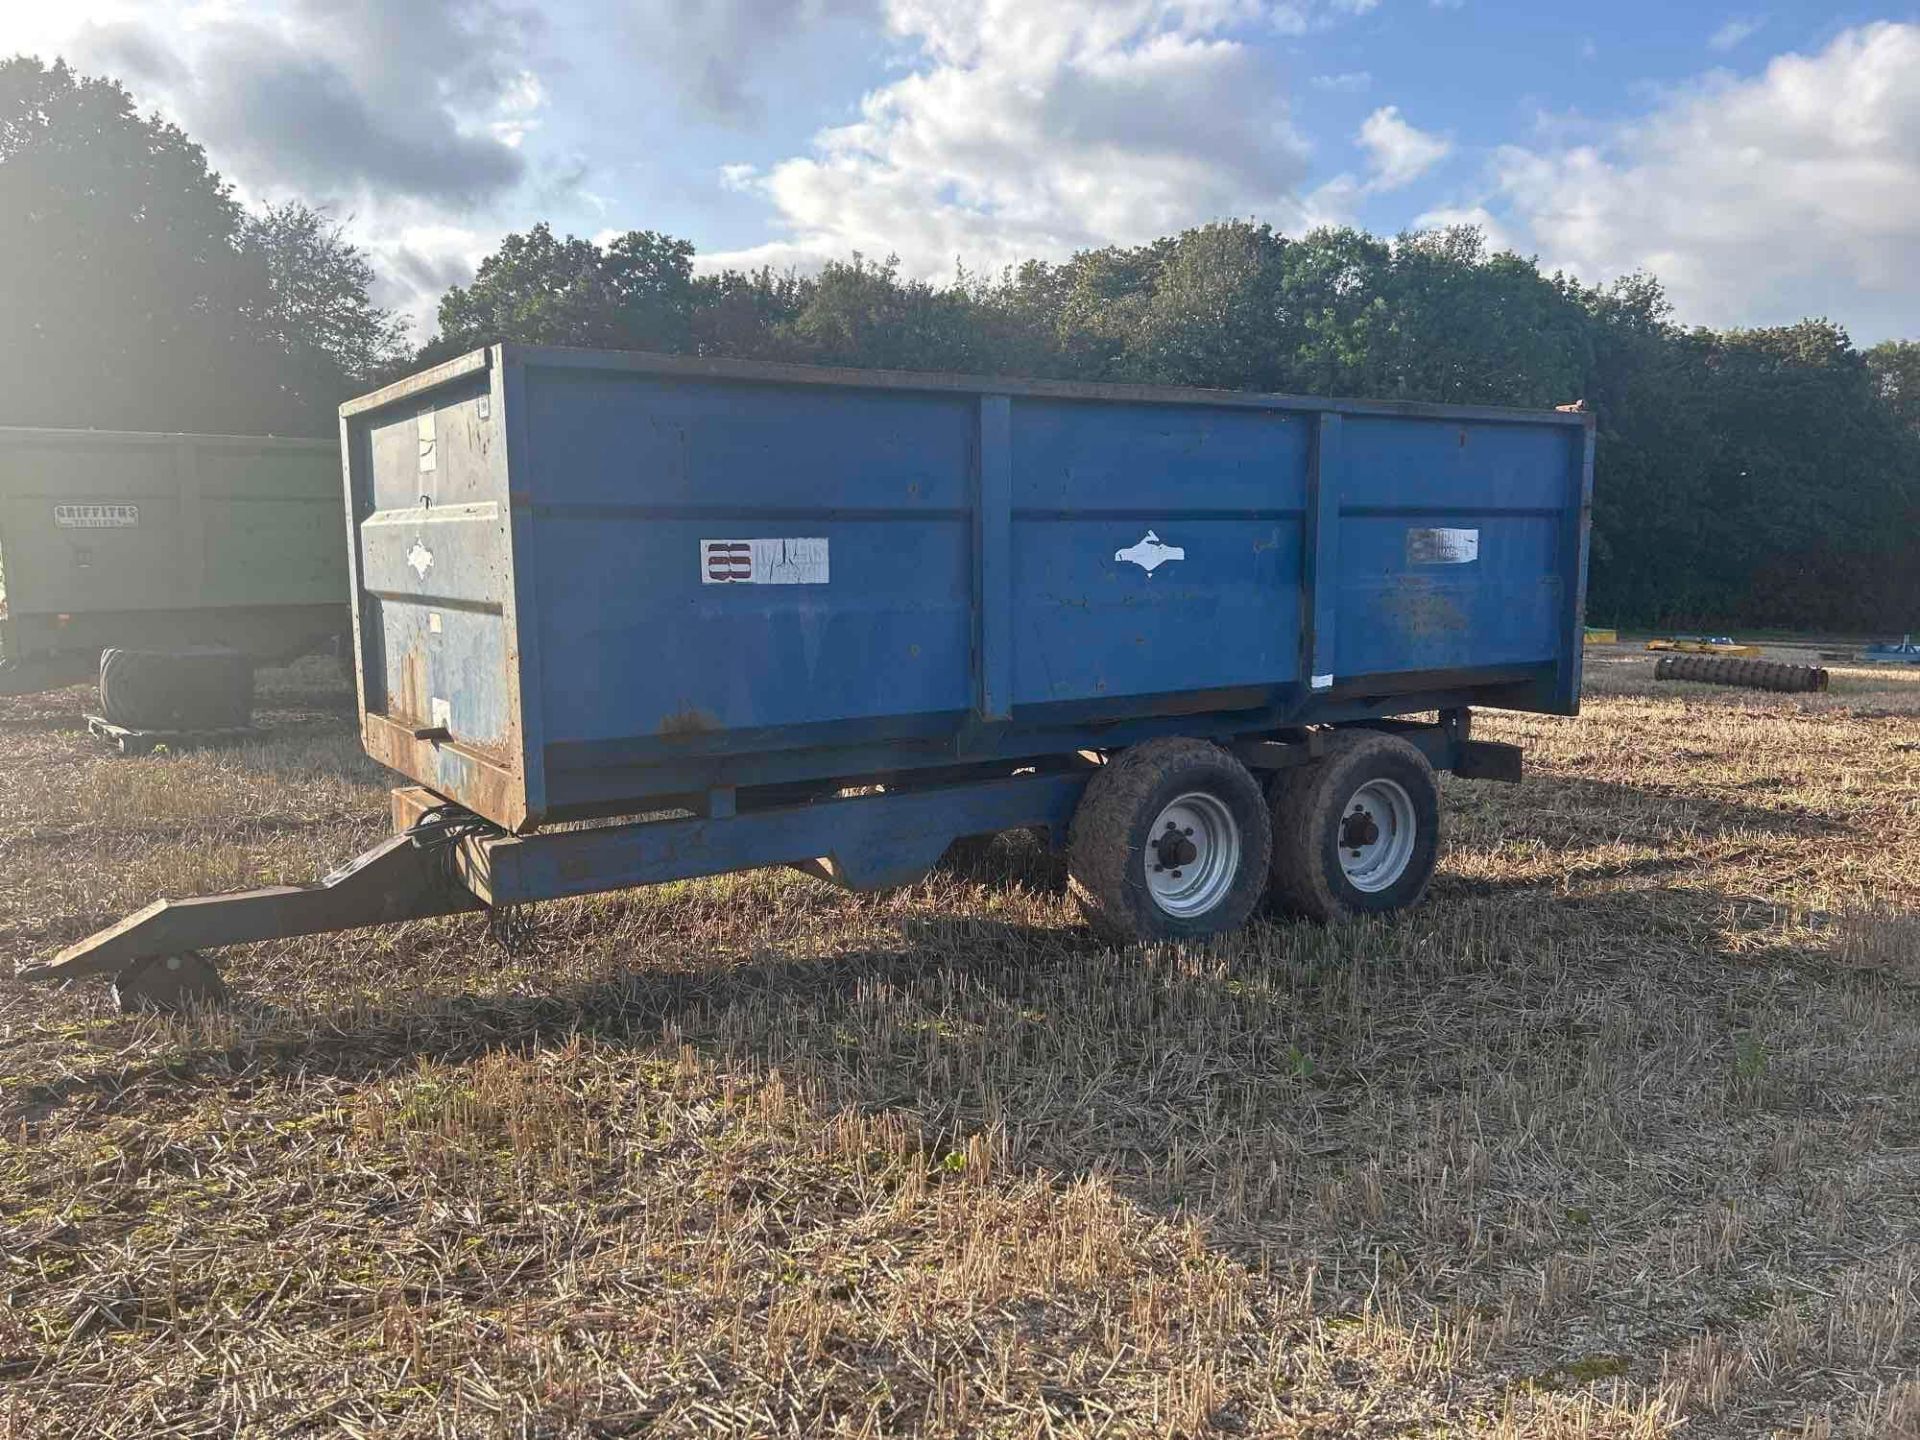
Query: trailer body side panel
[{"x": 589, "y": 582}]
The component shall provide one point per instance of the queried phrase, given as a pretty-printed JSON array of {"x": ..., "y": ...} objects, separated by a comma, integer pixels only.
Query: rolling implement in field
[{"x": 1751, "y": 674}]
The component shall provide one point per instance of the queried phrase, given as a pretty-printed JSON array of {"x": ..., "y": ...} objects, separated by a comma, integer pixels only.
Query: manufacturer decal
[
  {"x": 1442, "y": 547},
  {"x": 1322, "y": 682},
  {"x": 793, "y": 561},
  {"x": 96, "y": 517},
  {"x": 1150, "y": 552},
  {"x": 420, "y": 558}
]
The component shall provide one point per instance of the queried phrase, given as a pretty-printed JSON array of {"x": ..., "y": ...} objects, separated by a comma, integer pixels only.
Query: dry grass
[{"x": 1618, "y": 1136}]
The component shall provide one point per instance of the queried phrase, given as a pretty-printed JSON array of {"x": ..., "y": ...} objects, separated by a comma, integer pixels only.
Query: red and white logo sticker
[
  {"x": 728, "y": 561},
  {"x": 790, "y": 561}
]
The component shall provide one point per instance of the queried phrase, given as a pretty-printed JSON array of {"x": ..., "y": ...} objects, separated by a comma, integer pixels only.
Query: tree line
[{"x": 1759, "y": 477}]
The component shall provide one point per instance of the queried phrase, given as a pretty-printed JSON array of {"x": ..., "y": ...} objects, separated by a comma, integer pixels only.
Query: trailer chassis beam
[
  {"x": 867, "y": 842},
  {"x": 446, "y": 861}
]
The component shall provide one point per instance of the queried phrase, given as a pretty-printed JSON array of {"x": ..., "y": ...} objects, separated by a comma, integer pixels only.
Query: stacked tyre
[
  {"x": 176, "y": 689},
  {"x": 1175, "y": 839}
]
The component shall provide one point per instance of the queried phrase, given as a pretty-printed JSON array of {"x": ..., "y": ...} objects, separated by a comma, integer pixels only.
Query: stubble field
[{"x": 1617, "y": 1135}]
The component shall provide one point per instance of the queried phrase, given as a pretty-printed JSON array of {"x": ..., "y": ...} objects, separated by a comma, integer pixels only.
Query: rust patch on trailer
[
  {"x": 688, "y": 720},
  {"x": 1418, "y": 608},
  {"x": 482, "y": 783},
  {"x": 415, "y": 700},
  {"x": 408, "y": 803}
]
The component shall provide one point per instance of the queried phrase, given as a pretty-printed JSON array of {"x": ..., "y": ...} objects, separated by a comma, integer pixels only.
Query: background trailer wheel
[
  {"x": 1356, "y": 832},
  {"x": 1169, "y": 842}
]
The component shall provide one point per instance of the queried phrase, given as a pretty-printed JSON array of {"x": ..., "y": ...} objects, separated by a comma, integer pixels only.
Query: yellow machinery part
[{"x": 1703, "y": 647}]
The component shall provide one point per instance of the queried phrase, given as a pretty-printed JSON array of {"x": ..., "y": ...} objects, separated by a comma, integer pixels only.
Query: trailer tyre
[
  {"x": 176, "y": 690},
  {"x": 1169, "y": 842},
  {"x": 1356, "y": 832}
]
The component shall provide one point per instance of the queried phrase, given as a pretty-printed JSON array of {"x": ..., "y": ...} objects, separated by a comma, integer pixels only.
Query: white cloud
[
  {"x": 1397, "y": 155},
  {"x": 1447, "y": 216},
  {"x": 1796, "y": 192},
  {"x": 519, "y": 105},
  {"x": 1735, "y": 32},
  {"x": 1397, "y": 152},
  {"x": 328, "y": 97},
  {"x": 712, "y": 54},
  {"x": 331, "y": 102},
  {"x": 416, "y": 262},
  {"x": 1025, "y": 129},
  {"x": 1347, "y": 82}
]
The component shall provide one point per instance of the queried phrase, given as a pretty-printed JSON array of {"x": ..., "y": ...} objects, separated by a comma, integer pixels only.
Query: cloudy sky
[{"x": 1765, "y": 162}]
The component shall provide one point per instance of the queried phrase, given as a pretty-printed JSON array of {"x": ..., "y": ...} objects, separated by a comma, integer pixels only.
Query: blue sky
[{"x": 1764, "y": 160}]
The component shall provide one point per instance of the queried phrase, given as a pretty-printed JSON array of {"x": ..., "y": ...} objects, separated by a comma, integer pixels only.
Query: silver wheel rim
[
  {"x": 1377, "y": 834},
  {"x": 1192, "y": 855}
]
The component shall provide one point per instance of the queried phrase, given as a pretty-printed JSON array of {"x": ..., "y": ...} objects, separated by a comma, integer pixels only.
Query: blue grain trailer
[{"x": 837, "y": 619}]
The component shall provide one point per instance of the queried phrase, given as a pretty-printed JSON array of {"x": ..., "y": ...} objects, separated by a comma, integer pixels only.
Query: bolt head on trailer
[{"x": 594, "y": 586}]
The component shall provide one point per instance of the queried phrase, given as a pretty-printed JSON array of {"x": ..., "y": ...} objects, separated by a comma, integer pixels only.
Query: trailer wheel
[
  {"x": 1356, "y": 832},
  {"x": 1169, "y": 842},
  {"x": 168, "y": 984}
]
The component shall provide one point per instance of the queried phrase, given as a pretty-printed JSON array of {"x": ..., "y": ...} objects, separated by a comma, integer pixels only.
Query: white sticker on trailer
[
  {"x": 1442, "y": 547},
  {"x": 429, "y": 446},
  {"x": 790, "y": 561}
]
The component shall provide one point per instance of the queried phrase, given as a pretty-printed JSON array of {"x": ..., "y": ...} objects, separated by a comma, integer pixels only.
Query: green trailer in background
[{"x": 164, "y": 546}]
